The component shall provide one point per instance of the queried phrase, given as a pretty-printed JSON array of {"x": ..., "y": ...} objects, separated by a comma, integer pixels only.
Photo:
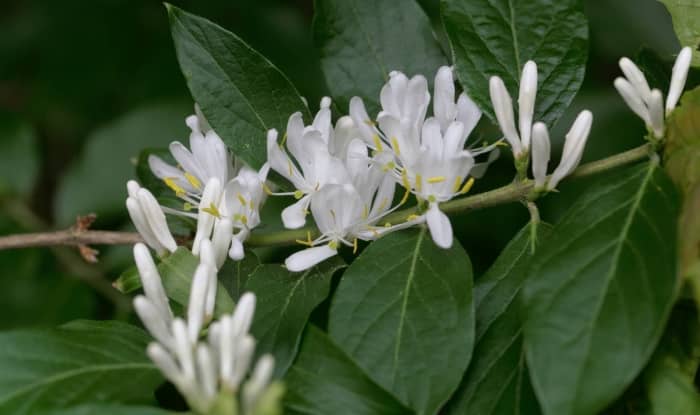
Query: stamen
[
  {"x": 411, "y": 217},
  {"x": 419, "y": 182},
  {"x": 333, "y": 245},
  {"x": 467, "y": 186},
  {"x": 267, "y": 189},
  {"x": 170, "y": 182},
  {"x": 389, "y": 166},
  {"x": 193, "y": 181},
  {"x": 212, "y": 210},
  {"x": 431, "y": 199},
  {"x": 365, "y": 212},
  {"x": 187, "y": 206},
  {"x": 370, "y": 123},
  {"x": 458, "y": 183},
  {"x": 242, "y": 199},
  {"x": 404, "y": 199},
  {"x": 354, "y": 246},
  {"x": 436, "y": 179},
  {"x": 298, "y": 194},
  {"x": 395, "y": 144},
  {"x": 284, "y": 139},
  {"x": 289, "y": 165},
  {"x": 404, "y": 180},
  {"x": 378, "y": 143},
  {"x": 387, "y": 225}
]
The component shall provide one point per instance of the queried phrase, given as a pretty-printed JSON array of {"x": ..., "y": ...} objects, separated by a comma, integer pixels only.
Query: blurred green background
[{"x": 85, "y": 85}]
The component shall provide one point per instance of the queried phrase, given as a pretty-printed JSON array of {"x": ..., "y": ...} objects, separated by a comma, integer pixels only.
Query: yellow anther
[
  {"x": 308, "y": 241},
  {"x": 333, "y": 245},
  {"x": 284, "y": 139},
  {"x": 419, "y": 182},
  {"x": 436, "y": 179},
  {"x": 412, "y": 217},
  {"x": 170, "y": 182},
  {"x": 389, "y": 166},
  {"x": 212, "y": 210},
  {"x": 267, "y": 190},
  {"x": 244, "y": 219},
  {"x": 378, "y": 143},
  {"x": 467, "y": 186},
  {"x": 395, "y": 144},
  {"x": 406, "y": 194},
  {"x": 289, "y": 165},
  {"x": 302, "y": 242},
  {"x": 404, "y": 180},
  {"x": 298, "y": 194},
  {"x": 458, "y": 183},
  {"x": 387, "y": 225},
  {"x": 354, "y": 246},
  {"x": 193, "y": 181},
  {"x": 242, "y": 199},
  {"x": 187, "y": 206}
]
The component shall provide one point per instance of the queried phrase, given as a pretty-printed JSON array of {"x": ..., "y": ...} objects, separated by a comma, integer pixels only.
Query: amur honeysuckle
[
  {"x": 574, "y": 145},
  {"x": 428, "y": 157},
  {"x": 209, "y": 371},
  {"x": 648, "y": 103},
  {"x": 503, "y": 108},
  {"x": 149, "y": 219}
]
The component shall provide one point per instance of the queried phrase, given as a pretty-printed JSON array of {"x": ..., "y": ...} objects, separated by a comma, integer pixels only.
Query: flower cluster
[
  {"x": 211, "y": 371},
  {"x": 648, "y": 103}
]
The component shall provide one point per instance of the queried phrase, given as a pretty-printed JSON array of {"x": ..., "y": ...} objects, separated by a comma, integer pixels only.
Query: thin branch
[{"x": 68, "y": 237}]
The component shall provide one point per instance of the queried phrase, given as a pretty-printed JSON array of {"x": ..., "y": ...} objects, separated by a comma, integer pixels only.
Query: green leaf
[
  {"x": 241, "y": 93},
  {"x": 80, "y": 361},
  {"x": 403, "y": 311},
  {"x": 176, "y": 271},
  {"x": 669, "y": 379},
  {"x": 234, "y": 274},
  {"x": 497, "y": 37},
  {"x": 323, "y": 380},
  {"x": 497, "y": 381},
  {"x": 96, "y": 182},
  {"x": 105, "y": 409},
  {"x": 285, "y": 302},
  {"x": 600, "y": 289},
  {"x": 361, "y": 41},
  {"x": 19, "y": 156},
  {"x": 685, "y": 15}
]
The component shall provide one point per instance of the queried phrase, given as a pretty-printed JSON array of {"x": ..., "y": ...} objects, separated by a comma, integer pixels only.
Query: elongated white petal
[
  {"x": 243, "y": 314},
  {"x": 151, "y": 282},
  {"x": 540, "y": 153},
  {"x": 153, "y": 320},
  {"x": 165, "y": 362},
  {"x": 678, "y": 77},
  {"x": 503, "y": 107},
  {"x": 526, "y": 102},
  {"x": 163, "y": 170},
  {"x": 132, "y": 188},
  {"x": 636, "y": 78},
  {"x": 207, "y": 372},
  {"x": 656, "y": 113},
  {"x": 259, "y": 380},
  {"x": 206, "y": 253},
  {"x": 468, "y": 113},
  {"x": 363, "y": 122},
  {"x": 205, "y": 218},
  {"x": 573, "y": 148},
  {"x": 243, "y": 357},
  {"x": 187, "y": 160},
  {"x": 221, "y": 240},
  {"x": 444, "y": 107},
  {"x": 183, "y": 349},
  {"x": 197, "y": 302},
  {"x": 633, "y": 99},
  {"x": 207, "y": 257},
  {"x": 309, "y": 257},
  {"x": 439, "y": 226},
  {"x": 156, "y": 219},
  {"x": 294, "y": 215},
  {"x": 226, "y": 349},
  {"x": 141, "y": 224}
]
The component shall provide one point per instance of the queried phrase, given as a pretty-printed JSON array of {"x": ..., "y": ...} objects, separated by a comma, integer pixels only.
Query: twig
[{"x": 68, "y": 237}]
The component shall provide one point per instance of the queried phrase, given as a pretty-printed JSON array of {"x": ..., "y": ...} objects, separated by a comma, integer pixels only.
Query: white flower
[
  {"x": 571, "y": 156},
  {"x": 149, "y": 219},
  {"x": 503, "y": 108},
  {"x": 347, "y": 212},
  {"x": 648, "y": 103},
  {"x": 314, "y": 168},
  {"x": 202, "y": 368},
  {"x": 207, "y": 158}
]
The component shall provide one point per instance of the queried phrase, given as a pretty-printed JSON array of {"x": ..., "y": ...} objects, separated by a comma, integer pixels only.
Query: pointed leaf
[
  {"x": 285, "y": 302},
  {"x": 362, "y": 41},
  {"x": 497, "y": 381},
  {"x": 68, "y": 365},
  {"x": 497, "y": 37},
  {"x": 685, "y": 15},
  {"x": 600, "y": 290},
  {"x": 325, "y": 381},
  {"x": 241, "y": 93},
  {"x": 403, "y": 311}
]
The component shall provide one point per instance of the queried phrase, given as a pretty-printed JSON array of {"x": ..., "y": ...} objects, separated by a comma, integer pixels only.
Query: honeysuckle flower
[
  {"x": 149, "y": 219},
  {"x": 503, "y": 108},
  {"x": 648, "y": 103},
  {"x": 202, "y": 369},
  {"x": 207, "y": 158},
  {"x": 571, "y": 155},
  {"x": 314, "y": 168}
]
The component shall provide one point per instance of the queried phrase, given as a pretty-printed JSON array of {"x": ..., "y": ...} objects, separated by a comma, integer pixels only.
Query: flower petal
[
  {"x": 440, "y": 226},
  {"x": 309, "y": 257},
  {"x": 294, "y": 216}
]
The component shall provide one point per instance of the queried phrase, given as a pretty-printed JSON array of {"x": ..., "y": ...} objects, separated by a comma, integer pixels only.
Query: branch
[{"x": 68, "y": 237}]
